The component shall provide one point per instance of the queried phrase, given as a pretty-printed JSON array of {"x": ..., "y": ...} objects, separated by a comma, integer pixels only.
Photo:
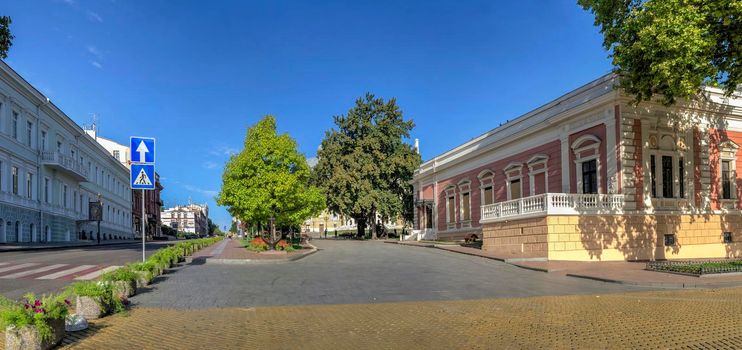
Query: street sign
[
  {"x": 142, "y": 149},
  {"x": 143, "y": 176}
]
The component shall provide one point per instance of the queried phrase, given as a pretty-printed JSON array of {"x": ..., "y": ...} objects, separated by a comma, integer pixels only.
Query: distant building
[
  {"x": 336, "y": 222},
  {"x": 191, "y": 218},
  {"x": 50, "y": 170},
  {"x": 152, "y": 200}
]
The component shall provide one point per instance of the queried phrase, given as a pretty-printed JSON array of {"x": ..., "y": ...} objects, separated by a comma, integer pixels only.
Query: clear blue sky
[{"x": 197, "y": 74}]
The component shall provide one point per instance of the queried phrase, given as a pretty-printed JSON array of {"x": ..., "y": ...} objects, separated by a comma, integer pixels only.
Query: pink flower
[
  {"x": 67, "y": 302},
  {"x": 26, "y": 305},
  {"x": 37, "y": 303}
]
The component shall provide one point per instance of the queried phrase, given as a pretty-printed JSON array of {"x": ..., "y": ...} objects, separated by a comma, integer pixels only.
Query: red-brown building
[
  {"x": 152, "y": 206},
  {"x": 592, "y": 176}
]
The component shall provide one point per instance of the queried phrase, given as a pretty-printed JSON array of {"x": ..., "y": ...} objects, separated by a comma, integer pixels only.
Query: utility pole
[{"x": 144, "y": 225}]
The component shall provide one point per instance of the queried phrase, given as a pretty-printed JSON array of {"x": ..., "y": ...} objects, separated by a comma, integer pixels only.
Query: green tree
[
  {"x": 6, "y": 38},
  {"x": 364, "y": 166},
  {"x": 269, "y": 179},
  {"x": 671, "y": 47},
  {"x": 233, "y": 227}
]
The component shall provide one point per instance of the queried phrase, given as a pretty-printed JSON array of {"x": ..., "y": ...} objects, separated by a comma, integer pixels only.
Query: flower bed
[
  {"x": 696, "y": 268},
  {"x": 33, "y": 323},
  {"x": 258, "y": 244}
]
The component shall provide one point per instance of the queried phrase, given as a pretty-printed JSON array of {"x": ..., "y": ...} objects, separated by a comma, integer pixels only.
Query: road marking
[
  {"x": 2, "y": 263},
  {"x": 65, "y": 272},
  {"x": 17, "y": 267},
  {"x": 31, "y": 272},
  {"x": 95, "y": 274}
]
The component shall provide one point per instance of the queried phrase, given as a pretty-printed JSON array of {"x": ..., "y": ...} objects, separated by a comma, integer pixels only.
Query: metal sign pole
[{"x": 143, "y": 221}]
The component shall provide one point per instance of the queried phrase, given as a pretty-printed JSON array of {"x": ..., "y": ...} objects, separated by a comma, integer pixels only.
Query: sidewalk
[
  {"x": 622, "y": 272},
  {"x": 15, "y": 247}
]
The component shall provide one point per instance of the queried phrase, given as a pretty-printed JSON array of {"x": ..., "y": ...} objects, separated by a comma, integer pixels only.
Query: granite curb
[{"x": 217, "y": 261}]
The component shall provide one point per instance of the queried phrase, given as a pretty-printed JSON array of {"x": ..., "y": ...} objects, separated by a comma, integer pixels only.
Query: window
[
  {"x": 669, "y": 240},
  {"x": 451, "y": 204},
  {"x": 590, "y": 176},
  {"x": 681, "y": 176},
  {"x": 488, "y": 195},
  {"x": 515, "y": 189},
  {"x": 29, "y": 132},
  {"x": 667, "y": 178},
  {"x": 29, "y": 185},
  {"x": 465, "y": 206},
  {"x": 428, "y": 217},
  {"x": 59, "y": 146},
  {"x": 43, "y": 140},
  {"x": 14, "y": 127},
  {"x": 1, "y": 182},
  {"x": 653, "y": 175},
  {"x": 64, "y": 196},
  {"x": 14, "y": 176},
  {"x": 116, "y": 154},
  {"x": 727, "y": 237},
  {"x": 726, "y": 180},
  {"x": 46, "y": 190}
]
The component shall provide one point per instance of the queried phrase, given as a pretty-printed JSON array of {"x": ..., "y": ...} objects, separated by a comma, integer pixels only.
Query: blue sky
[{"x": 197, "y": 74}]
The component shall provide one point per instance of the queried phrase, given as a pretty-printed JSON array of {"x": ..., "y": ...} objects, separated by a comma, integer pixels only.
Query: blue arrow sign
[
  {"x": 143, "y": 176},
  {"x": 142, "y": 149}
]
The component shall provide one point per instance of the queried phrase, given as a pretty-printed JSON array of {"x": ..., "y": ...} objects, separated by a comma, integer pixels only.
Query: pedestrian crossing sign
[{"x": 143, "y": 176}]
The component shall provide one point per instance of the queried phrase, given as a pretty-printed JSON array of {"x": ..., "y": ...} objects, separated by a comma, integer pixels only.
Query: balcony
[
  {"x": 66, "y": 164},
  {"x": 553, "y": 204}
]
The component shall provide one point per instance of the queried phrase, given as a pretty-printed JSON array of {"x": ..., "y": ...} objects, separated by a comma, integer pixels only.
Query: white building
[
  {"x": 50, "y": 170},
  {"x": 191, "y": 218}
]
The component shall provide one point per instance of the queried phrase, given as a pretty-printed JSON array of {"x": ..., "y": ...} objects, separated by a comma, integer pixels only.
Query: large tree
[
  {"x": 6, "y": 38},
  {"x": 268, "y": 180},
  {"x": 364, "y": 164},
  {"x": 672, "y": 47}
]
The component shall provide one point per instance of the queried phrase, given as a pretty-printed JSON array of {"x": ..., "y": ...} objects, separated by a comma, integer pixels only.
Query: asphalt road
[
  {"x": 46, "y": 271},
  {"x": 350, "y": 272}
]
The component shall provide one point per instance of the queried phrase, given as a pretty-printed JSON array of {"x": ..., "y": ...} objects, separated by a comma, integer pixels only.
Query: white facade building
[
  {"x": 50, "y": 170},
  {"x": 191, "y": 218}
]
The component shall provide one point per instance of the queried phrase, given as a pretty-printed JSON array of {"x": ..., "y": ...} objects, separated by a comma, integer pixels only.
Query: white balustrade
[{"x": 554, "y": 204}]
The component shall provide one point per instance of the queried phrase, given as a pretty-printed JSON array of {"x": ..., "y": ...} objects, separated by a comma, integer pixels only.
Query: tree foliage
[
  {"x": 672, "y": 47},
  {"x": 269, "y": 179},
  {"x": 6, "y": 38},
  {"x": 364, "y": 166}
]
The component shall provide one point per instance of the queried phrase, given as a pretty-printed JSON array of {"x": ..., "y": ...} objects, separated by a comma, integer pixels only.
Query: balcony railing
[
  {"x": 553, "y": 204},
  {"x": 65, "y": 163}
]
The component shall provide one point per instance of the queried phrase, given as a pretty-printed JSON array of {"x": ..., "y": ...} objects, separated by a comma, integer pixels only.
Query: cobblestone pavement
[
  {"x": 680, "y": 319},
  {"x": 346, "y": 272}
]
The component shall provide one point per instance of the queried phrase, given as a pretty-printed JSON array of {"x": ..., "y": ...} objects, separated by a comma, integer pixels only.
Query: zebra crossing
[{"x": 37, "y": 271}]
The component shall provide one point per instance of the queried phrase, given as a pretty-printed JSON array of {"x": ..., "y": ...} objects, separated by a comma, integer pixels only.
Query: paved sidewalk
[
  {"x": 15, "y": 247},
  {"x": 685, "y": 319},
  {"x": 622, "y": 272}
]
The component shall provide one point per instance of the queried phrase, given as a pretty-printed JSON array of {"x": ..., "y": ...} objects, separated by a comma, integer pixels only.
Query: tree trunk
[
  {"x": 361, "y": 227},
  {"x": 373, "y": 227}
]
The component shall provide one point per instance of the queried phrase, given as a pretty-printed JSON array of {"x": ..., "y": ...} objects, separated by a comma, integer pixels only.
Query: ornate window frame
[
  {"x": 578, "y": 148},
  {"x": 538, "y": 164},
  {"x": 450, "y": 192},
  {"x": 513, "y": 171},
  {"x": 728, "y": 152},
  {"x": 464, "y": 186},
  {"x": 486, "y": 179}
]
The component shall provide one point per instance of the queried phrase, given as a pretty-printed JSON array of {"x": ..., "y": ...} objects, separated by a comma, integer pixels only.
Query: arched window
[
  {"x": 17, "y": 231},
  {"x": 728, "y": 174},
  {"x": 487, "y": 187},
  {"x": 586, "y": 150}
]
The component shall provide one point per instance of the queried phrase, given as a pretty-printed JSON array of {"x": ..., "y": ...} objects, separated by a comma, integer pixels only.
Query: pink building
[{"x": 590, "y": 176}]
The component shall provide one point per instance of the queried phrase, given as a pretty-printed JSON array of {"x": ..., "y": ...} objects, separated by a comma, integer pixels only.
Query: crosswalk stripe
[
  {"x": 17, "y": 267},
  {"x": 65, "y": 272},
  {"x": 95, "y": 274},
  {"x": 31, "y": 272}
]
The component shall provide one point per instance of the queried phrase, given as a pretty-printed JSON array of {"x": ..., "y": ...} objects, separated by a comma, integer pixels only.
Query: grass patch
[{"x": 696, "y": 267}]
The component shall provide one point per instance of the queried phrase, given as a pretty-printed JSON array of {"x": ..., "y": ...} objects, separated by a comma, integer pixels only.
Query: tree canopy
[
  {"x": 364, "y": 165},
  {"x": 269, "y": 179},
  {"x": 671, "y": 47},
  {"x": 6, "y": 38}
]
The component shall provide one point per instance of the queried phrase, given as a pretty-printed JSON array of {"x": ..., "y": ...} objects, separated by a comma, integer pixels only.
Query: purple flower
[
  {"x": 38, "y": 311},
  {"x": 37, "y": 303},
  {"x": 26, "y": 305},
  {"x": 67, "y": 302}
]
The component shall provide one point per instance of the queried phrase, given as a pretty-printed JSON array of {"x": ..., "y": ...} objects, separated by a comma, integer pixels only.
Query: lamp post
[{"x": 273, "y": 231}]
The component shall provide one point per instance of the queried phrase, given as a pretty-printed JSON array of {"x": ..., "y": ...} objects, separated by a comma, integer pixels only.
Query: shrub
[
  {"x": 121, "y": 274},
  {"x": 257, "y": 244},
  {"x": 33, "y": 312},
  {"x": 285, "y": 246},
  {"x": 102, "y": 292}
]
